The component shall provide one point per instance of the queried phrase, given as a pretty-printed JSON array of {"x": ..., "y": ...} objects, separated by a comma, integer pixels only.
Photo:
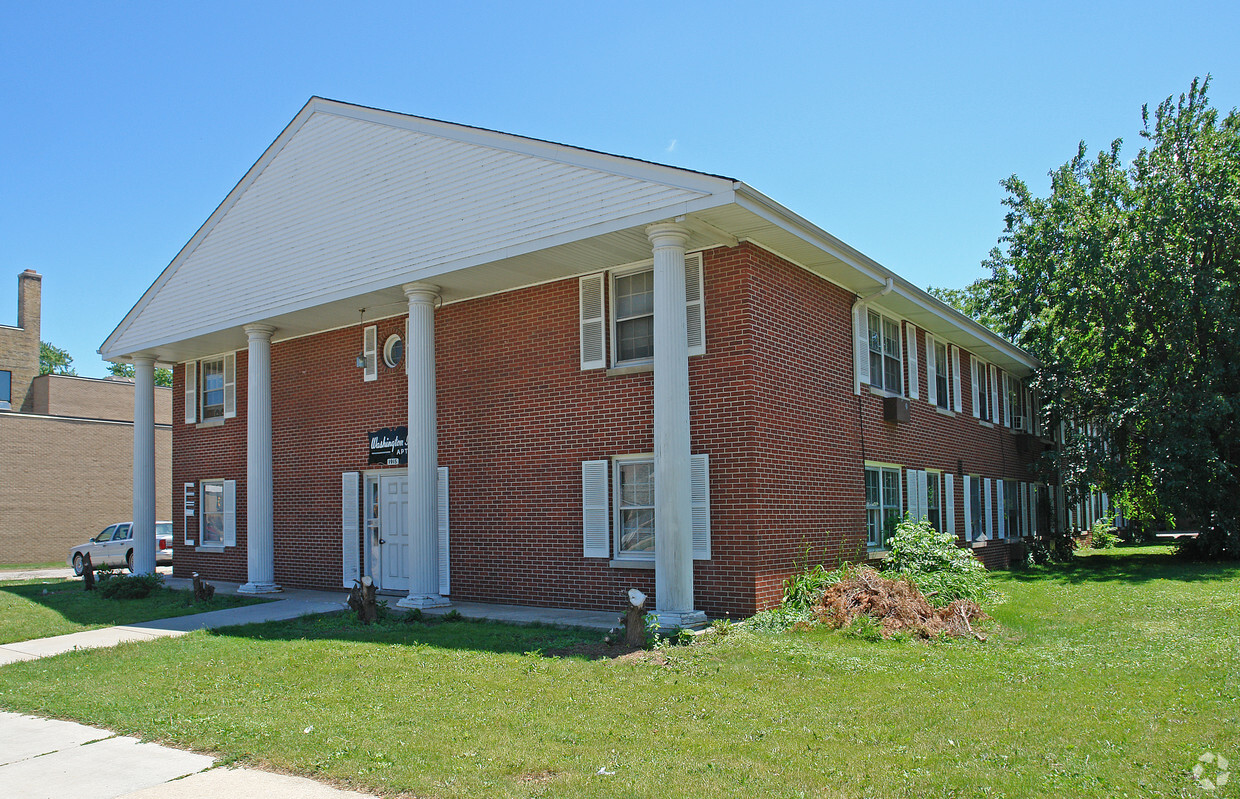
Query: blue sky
[{"x": 888, "y": 124}]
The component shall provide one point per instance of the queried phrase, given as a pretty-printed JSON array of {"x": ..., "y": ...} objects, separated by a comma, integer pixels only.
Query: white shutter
[
  {"x": 1007, "y": 398},
  {"x": 932, "y": 372},
  {"x": 595, "y": 523},
  {"x": 994, "y": 395},
  {"x": 441, "y": 504},
  {"x": 914, "y": 497},
  {"x": 969, "y": 510},
  {"x": 350, "y": 528},
  {"x": 1027, "y": 505},
  {"x": 191, "y": 392},
  {"x": 1106, "y": 505},
  {"x": 861, "y": 347},
  {"x": 923, "y": 493},
  {"x": 695, "y": 309},
  {"x": 593, "y": 322},
  {"x": 975, "y": 368},
  {"x": 370, "y": 353},
  {"x": 914, "y": 383},
  {"x": 1000, "y": 500},
  {"x": 230, "y": 513},
  {"x": 989, "y": 507},
  {"x": 188, "y": 495},
  {"x": 957, "y": 403},
  {"x": 699, "y": 492},
  {"x": 949, "y": 503},
  {"x": 230, "y": 385}
]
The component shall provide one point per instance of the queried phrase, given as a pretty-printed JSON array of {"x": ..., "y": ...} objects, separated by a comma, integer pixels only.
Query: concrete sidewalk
[{"x": 50, "y": 759}]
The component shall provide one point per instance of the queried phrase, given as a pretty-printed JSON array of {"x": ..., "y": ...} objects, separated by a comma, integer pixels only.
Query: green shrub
[
  {"x": 131, "y": 586},
  {"x": 1103, "y": 535},
  {"x": 932, "y": 561}
]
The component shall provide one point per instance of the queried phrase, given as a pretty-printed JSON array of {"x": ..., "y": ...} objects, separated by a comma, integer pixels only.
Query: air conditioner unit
[{"x": 895, "y": 409}]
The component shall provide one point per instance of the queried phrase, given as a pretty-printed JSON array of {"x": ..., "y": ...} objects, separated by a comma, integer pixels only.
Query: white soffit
[{"x": 351, "y": 200}]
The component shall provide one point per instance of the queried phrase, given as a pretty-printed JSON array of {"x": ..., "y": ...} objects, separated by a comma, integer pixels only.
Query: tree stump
[
  {"x": 635, "y": 619},
  {"x": 203, "y": 590},
  {"x": 363, "y": 601},
  {"x": 88, "y": 572}
]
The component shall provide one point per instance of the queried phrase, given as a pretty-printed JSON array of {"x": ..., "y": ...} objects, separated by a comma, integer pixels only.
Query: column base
[
  {"x": 680, "y": 619},
  {"x": 420, "y": 601},
  {"x": 259, "y": 588}
]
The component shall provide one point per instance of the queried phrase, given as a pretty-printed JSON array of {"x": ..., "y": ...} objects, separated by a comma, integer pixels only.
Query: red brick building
[{"x": 482, "y": 367}]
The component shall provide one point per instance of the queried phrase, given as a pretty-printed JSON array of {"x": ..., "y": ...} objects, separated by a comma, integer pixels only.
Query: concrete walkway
[{"x": 50, "y": 759}]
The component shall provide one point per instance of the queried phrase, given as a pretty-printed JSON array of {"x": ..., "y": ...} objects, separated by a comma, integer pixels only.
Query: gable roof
[{"x": 349, "y": 203}]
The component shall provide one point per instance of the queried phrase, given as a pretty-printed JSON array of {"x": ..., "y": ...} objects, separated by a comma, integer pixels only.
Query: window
[
  {"x": 6, "y": 390},
  {"x": 211, "y": 388},
  {"x": 217, "y": 520},
  {"x": 634, "y": 310},
  {"x": 934, "y": 501},
  {"x": 1013, "y": 525},
  {"x": 393, "y": 351},
  {"x": 634, "y": 483},
  {"x": 632, "y": 315},
  {"x": 885, "y": 363},
  {"x": 982, "y": 407},
  {"x": 977, "y": 506},
  {"x": 882, "y": 504},
  {"x": 625, "y": 530},
  {"x": 941, "y": 391}
]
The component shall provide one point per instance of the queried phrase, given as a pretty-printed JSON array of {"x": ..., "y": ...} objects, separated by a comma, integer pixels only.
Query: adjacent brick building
[
  {"x": 480, "y": 367},
  {"x": 66, "y": 447}
]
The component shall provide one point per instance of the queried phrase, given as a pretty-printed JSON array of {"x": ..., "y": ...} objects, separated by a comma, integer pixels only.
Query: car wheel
[
  {"x": 78, "y": 566},
  {"x": 129, "y": 560}
]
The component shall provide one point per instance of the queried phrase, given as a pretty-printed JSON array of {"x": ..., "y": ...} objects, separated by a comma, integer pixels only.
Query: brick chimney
[{"x": 19, "y": 346}]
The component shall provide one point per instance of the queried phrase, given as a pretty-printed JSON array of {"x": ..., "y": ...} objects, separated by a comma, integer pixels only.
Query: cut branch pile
[{"x": 896, "y": 605}]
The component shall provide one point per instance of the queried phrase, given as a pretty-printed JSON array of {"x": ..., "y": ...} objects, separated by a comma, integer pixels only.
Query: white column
[
  {"x": 423, "y": 450},
  {"x": 259, "y": 532},
  {"x": 673, "y": 510},
  {"x": 144, "y": 464}
]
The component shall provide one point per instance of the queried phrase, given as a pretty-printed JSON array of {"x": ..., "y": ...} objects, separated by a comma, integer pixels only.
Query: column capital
[
  {"x": 421, "y": 292},
  {"x": 257, "y": 330},
  {"x": 142, "y": 357},
  {"x": 668, "y": 234}
]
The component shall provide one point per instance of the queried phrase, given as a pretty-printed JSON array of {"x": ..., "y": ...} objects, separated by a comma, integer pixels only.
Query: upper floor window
[
  {"x": 634, "y": 315},
  {"x": 6, "y": 390},
  {"x": 886, "y": 365},
  {"x": 211, "y": 388},
  {"x": 982, "y": 406}
]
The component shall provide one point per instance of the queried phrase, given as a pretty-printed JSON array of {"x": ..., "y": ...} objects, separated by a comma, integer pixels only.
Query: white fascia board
[
  {"x": 120, "y": 350},
  {"x": 759, "y": 204}
]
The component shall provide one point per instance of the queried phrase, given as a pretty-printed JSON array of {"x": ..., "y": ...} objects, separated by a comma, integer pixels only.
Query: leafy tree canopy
[
  {"x": 1125, "y": 282},
  {"x": 163, "y": 377},
  {"x": 54, "y": 361}
]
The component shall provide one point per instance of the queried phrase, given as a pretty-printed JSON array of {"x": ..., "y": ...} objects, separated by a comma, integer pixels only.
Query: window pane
[
  {"x": 891, "y": 378},
  {"x": 891, "y": 489},
  {"x": 876, "y": 369},
  {"x": 891, "y": 338},
  {"x": 637, "y": 530},
  {"x": 635, "y": 339},
  {"x": 872, "y": 498},
  {"x": 876, "y": 333},
  {"x": 635, "y": 295},
  {"x": 6, "y": 388},
  {"x": 636, "y": 484}
]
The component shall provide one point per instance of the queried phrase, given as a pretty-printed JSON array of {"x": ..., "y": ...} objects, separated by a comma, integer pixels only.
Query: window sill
[
  {"x": 631, "y": 369},
  {"x": 873, "y": 553},
  {"x": 631, "y": 563},
  {"x": 944, "y": 411},
  {"x": 211, "y": 548},
  {"x": 878, "y": 392},
  {"x": 985, "y": 423},
  {"x": 209, "y": 423}
]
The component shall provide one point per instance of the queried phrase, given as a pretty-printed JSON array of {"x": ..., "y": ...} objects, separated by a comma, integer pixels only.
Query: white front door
[{"x": 392, "y": 569}]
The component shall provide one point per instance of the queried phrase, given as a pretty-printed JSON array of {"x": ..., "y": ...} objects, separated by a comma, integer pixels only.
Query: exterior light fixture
[{"x": 361, "y": 320}]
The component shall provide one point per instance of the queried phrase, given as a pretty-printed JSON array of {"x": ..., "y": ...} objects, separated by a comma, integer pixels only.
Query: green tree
[
  {"x": 1125, "y": 282},
  {"x": 54, "y": 361},
  {"x": 163, "y": 377}
]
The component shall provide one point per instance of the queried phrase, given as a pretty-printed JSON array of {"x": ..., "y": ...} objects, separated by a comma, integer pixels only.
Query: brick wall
[
  {"x": 64, "y": 480},
  {"x": 92, "y": 398},
  {"x": 771, "y": 403}
]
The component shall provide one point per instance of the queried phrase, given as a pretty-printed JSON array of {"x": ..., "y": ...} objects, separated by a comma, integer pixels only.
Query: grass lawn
[
  {"x": 13, "y": 567},
  {"x": 43, "y": 608},
  {"x": 1108, "y": 677}
]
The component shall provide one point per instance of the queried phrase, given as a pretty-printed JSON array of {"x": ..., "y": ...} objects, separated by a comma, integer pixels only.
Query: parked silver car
[{"x": 114, "y": 547}]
